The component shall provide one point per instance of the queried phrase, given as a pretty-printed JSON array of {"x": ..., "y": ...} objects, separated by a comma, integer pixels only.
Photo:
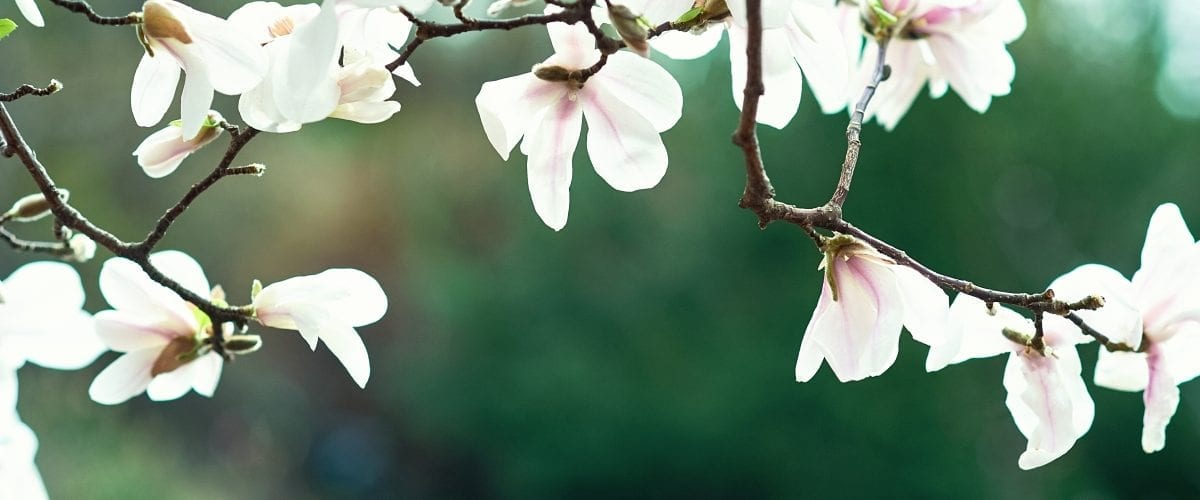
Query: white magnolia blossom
[
  {"x": 357, "y": 90},
  {"x": 1156, "y": 313},
  {"x": 958, "y": 44},
  {"x": 1046, "y": 394},
  {"x": 801, "y": 41},
  {"x": 378, "y": 32},
  {"x": 627, "y": 104},
  {"x": 42, "y": 319},
  {"x": 301, "y": 85},
  {"x": 215, "y": 55},
  {"x": 29, "y": 9},
  {"x": 159, "y": 333},
  {"x": 326, "y": 307},
  {"x": 865, "y": 300},
  {"x": 163, "y": 151},
  {"x": 19, "y": 477}
]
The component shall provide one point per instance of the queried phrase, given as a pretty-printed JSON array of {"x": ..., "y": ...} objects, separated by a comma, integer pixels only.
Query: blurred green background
[{"x": 647, "y": 349}]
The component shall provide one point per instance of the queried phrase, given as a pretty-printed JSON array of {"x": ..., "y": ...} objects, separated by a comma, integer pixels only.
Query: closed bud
[
  {"x": 33, "y": 207},
  {"x": 242, "y": 344},
  {"x": 82, "y": 248},
  {"x": 551, "y": 73},
  {"x": 633, "y": 28}
]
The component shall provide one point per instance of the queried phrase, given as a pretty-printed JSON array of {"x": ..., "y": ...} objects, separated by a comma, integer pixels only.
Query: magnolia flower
[
  {"x": 627, "y": 104},
  {"x": 302, "y": 89},
  {"x": 161, "y": 334},
  {"x": 42, "y": 321},
  {"x": 1046, "y": 394},
  {"x": 798, "y": 35},
  {"x": 19, "y": 477},
  {"x": 162, "y": 152},
  {"x": 1157, "y": 313},
  {"x": 326, "y": 307},
  {"x": 957, "y": 44},
  {"x": 356, "y": 91},
  {"x": 865, "y": 299},
  {"x": 214, "y": 54},
  {"x": 29, "y": 9},
  {"x": 377, "y": 32}
]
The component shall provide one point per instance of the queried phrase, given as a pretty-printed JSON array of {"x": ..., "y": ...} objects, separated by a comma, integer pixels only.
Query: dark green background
[{"x": 647, "y": 349}]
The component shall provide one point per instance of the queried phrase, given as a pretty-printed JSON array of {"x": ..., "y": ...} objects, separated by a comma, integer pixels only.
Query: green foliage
[{"x": 6, "y": 27}]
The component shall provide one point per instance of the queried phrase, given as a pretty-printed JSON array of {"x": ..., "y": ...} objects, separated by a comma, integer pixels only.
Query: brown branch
[
  {"x": 28, "y": 89},
  {"x": 82, "y": 7},
  {"x": 428, "y": 30},
  {"x": 55, "y": 248},
  {"x": 758, "y": 191},
  {"x": 1103, "y": 339},
  {"x": 854, "y": 129}
]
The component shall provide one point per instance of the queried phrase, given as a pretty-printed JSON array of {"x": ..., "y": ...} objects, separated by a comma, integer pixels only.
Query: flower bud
[
  {"x": 82, "y": 248},
  {"x": 33, "y": 207},
  {"x": 163, "y": 151},
  {"x": 242, "y": 344},
  {"x": 633, "y": 28},
  {"x": 551, "y": 73}
]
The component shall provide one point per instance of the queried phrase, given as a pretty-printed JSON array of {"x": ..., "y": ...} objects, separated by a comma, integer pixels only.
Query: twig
[
  {"x": 854, "y": 129},
  {"x": 28, "y": 89},
  {"x": 758, "y": 189},
  {"x": 82, "y": 7}
]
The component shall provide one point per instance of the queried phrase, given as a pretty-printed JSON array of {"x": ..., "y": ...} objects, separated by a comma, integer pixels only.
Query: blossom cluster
[
  {"x": 1154, "y": 315},
  {"x": 169, "y": 346}
]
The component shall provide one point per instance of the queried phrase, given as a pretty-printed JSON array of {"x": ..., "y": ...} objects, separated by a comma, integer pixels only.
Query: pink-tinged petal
[
  {"x": 894, "y": 98},
  {"x": 624, "y": 147},
  {"x": 45, "y": 284},
  {"x": 819, "y": 47},
  {"x": 29, "y": 9},
  {"x": 926, "y": 306},
  {"x": 1049, "y": 403},
  {"x": 302, "y": 83},
  {"x": 1122, "y": 371},
  {"x": 154, "y": 85},
  {"x": 550, "y": 145},
  {"x": 1168, "y": 284},
  {"x": 1119, "y": 319},
  {"x": 1161, "y": 398},
  {"x": 976, "y": 68},
  {"x": 127, "y": 288},
  {"x": 508, "y": 107},
  {"x": 206, "y": 373},
  {"x": 859, "y": 333},
  {"x": 125, "y": 378},
  {"x": 125, "y": 332},
  {"x": 342, "y": 340},
  {"x": 350, "y": 295},
  {"x": 574, "y": 46},
  {"x": 972, "y": 331},
  {"x": 162, "y": 152},
  {"x": 687, "y": 46},
  {"x": 644, "y": 86},
  {"x": 782, "y": 80}
]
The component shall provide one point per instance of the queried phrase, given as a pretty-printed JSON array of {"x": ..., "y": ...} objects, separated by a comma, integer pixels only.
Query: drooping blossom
[
  {"x": 627, "y": 104},
  {"x": 1159, "y": 319},
  {"x": 163, "y": 151},
  {"x": 161, "y": 335},
  {"x": 801, "y": 42},
  {"x": 42, "y": 319},
  {"x": 956, "y": 44},
  {"x": 29, "y": 9},
  {"x": 865, "y": 299},
  {"x": 326, "y": 307},
  {"x": 19, "y": 477},
  {"x": 215, "y": 55},
  {"x": 356, "y": 90},
  {"x": 1046, "y": 395}
]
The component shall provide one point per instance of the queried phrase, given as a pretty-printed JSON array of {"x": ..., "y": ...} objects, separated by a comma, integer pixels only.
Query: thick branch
[
  {"x": 427, "y": 30},
  {"x": 758, "y": 189},
  {"x": 82, "y": 7}
]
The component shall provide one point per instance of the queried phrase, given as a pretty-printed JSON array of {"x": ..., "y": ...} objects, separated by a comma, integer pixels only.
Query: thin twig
[
  {"x": 854, "y": 129},
  {"x": 28, "y": 89},
  {"x": 82, "y": 7}
]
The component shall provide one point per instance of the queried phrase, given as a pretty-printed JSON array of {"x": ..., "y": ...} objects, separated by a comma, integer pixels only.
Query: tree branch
[
  {"x": 82, "y": 7},
  {"x": 28, "y": 89},
  {"x": 854, "y": 129},
  {"x": 758, "y": 191}
]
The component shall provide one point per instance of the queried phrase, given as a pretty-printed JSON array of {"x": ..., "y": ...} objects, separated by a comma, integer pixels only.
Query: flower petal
[
  {"x": 859, "y": 333},
  {"x": 688, "y": 46},
  {"x": 818, "y": 46},
  {"x": 508, "y": 107},
  {"x": 43, "y": 284},
  {"x": 125, "y": 378},
  {"x": 127, "y": 288},
  {"x": 154, "y": 85},
  {"x": 574, "y": 46},
  {"x": 238, "y": 60},
  {"x": 206, "y": 373},
  {"x": 1120, "y": 318},
  {"x": 972, "y": 331},
  {"x": 624, "y": 147},
  {"x": 1049, "y": 403},
  {"x": 197, "y": 95},
  {"x": 303, "y": 87},
  {"x": 350, "y": 295},
  {"x": 29, "y": 9},
  {"x": 342, "y": 340},
  {"x": 926, "y": 306},
  {"x": 1122, "y": 371},
  {"x": 125, "y": 332},
  {"x": 550, "y": 145},
  {"x": 642, "y": 85},
  {"x": 782, "y": 80},
  {"x": 1161, "y": 398}
]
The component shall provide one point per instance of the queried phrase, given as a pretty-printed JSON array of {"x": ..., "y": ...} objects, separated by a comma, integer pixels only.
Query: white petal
[
  {"x": 8, "y": 391},
  {"x": 67, "y": 342},
  {"x": 125, "y": 378},
  {"x": 574, "y": 46},
  {"x": 125, "y": 332},
  {"x": 182, "y": 268},
  {"x": 976, "y": 68},
  {"x": 45, "y": 284},
  {"x": 1183, "y": 353},
  {"x": 810, "y": 358},
  {"x": 782, "y": 80},
  {"x": 1119, "y": 319},
  {"x": 859, "y": 333},
  {"x": 258, "y": 106},
  {"x": 818, "y": 46},
  {"x": 29, "y": 9},
  {"x": 926, "y": 306},
  {"x": 197, "y": 96},
  {"x": 303, "y": 87},
  {"x": 162, "y": 152},
  {"x": 127, "y": 288},
  {"x": 773, "y": 12},
  {"x": 1050, "y": 407},
  {"x": 974, "y": 332},
  {"x": 171, "y": 385},
  {"x": 687, "y": 46},
  {"x": 352, "y": 296},
  {"x": 342, "y": 340},
  {"x": 644, "y": 86},
  {"x": 237, "y": 60},
  {"x": 624, "y": 147},
  {"x": 206, "y": 372},
  {"x": 414, "y": 6},
  {"x": 509, "y": 107},
  {"x": 550, "y": 145},
  {"x": 1122, "y": 371},
  {"x": 154, "y": 85},
  {"x": 1161, "y": 398}
]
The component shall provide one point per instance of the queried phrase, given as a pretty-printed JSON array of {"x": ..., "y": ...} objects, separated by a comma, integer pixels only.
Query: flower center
[{"x": 282, "y": 26}]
